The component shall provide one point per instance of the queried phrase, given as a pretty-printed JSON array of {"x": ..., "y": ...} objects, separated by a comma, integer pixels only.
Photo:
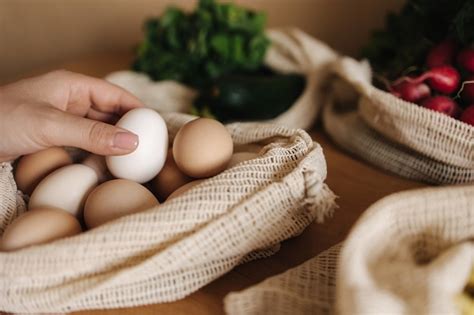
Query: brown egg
[
  {"x": 241, "y": 157},
  {"x": 39, "y": 226},
  {"x": 97, "y": 163},
  {"x": 32, "y": 168},
  {"x": 169, "y": 178},
  {"x": 114, "y": 199},
  {"x": 181, "y": 190},
  {"x": 202, "y": 148}
]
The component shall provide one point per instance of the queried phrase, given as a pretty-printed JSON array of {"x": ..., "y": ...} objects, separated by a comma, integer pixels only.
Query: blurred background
[{"x": 36, "y": 34}]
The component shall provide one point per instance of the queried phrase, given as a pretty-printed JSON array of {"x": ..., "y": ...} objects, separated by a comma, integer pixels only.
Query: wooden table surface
[{"x": 357, "y": 184}]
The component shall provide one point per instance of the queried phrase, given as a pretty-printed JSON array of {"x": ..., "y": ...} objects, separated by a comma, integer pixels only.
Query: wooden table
[{"x": 357, "y": 184}]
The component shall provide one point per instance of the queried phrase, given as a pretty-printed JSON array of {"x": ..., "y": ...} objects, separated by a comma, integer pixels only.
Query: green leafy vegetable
[
  {"x": 197, "y": 48},
  {"x": 409, "y": 35}
]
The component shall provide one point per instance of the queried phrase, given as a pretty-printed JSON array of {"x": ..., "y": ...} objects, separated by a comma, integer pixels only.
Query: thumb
[{"x": 91, "y": 135}]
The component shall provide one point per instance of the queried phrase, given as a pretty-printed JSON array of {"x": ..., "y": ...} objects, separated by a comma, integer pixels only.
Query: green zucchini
[{"x": 252, "y": 97}]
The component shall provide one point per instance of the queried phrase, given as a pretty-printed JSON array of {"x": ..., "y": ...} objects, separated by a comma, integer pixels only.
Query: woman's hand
[{"x": 50, "y": 110}]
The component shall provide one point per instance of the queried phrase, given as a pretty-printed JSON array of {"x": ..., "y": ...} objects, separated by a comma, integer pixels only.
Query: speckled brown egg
[
  {"x": 202, "y": 148},
  {"x": 39, "y": 226},
  {"x": 32, "y": 168},
  {"x": 114, "y": 199},
  {"x": 169, "y": 178}
]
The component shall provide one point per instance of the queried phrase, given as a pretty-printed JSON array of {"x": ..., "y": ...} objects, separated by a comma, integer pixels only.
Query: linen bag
[
  {"x": 309, "y": 288},
  {"x": 409, "y": 253},
  {"x": 172, "y": 250},
  {"x": 393, "y": 134}
]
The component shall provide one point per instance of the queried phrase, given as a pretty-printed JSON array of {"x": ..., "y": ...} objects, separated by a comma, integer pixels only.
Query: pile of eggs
[{"x": 67, "y": 198}]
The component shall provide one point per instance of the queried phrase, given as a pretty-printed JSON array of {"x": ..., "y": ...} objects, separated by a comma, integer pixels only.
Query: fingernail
[{"x": 125, "y": 141}]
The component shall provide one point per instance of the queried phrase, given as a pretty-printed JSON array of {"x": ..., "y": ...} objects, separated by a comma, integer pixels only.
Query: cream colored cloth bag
[
  {"x": 309, "y": 288},
  {"x": 292, "y": 51},
  {"x": 170, "y": 251},
  {"x": 393, "y": 134},
  {"x": 409, "y": 253}
]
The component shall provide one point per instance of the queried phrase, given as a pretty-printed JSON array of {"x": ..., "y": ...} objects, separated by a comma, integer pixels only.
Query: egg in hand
[{"x": 149, "y": 157}]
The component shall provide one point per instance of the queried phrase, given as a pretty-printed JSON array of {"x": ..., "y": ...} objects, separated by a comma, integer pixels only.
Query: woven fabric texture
[
  {"x": 292, "y": 51},
  {"x": 431, "y": 133},
  {"x": 170, "y": 251},
  {"x": 309, "y": 288},
  {"x": 350, "y": 132},
  {"x": 410, "y": 253},
  {"x": 353, "y": 101},
  {"x": 11, "y": 200}
]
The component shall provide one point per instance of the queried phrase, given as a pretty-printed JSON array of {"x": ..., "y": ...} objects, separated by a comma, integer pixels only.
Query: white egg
[
  {"x": 149, "y": 157},
  {"x": 66, "y": 188}
]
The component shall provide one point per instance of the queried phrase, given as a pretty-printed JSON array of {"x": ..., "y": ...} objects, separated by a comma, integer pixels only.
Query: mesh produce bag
[
  {"x": 410, "y": 253},
  {"x": 291, "y": 51},
  {"x": 306, "y": 289},
  {"x": 393, "y": 134},
  {"x": 171, "y": 250}
]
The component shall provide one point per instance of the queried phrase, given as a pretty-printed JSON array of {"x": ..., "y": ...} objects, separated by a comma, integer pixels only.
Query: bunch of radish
[{"x": 448, "y": 84}]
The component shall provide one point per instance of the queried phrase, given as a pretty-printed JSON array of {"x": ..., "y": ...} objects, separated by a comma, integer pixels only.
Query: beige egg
[
  {"x": 66, "y": 188},
  {"x": 39, "y": 226},
  {"x": 169, "y": 178},
  {"x": 97, "y": 163},
  {"x": 32, "y": 168},
  {"x": 241, "y": 157},
  {"x": 181, "y": 190},
  {"x": 202, "y": 148},
  {"x": 114, "y": 199}
]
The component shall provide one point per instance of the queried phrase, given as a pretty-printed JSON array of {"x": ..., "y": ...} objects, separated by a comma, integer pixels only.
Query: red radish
[
  {"x": 411, "y": 92},
  {"x": 441, "y": 54},
  {"x": 442, "y": 104},
  {"x": 467, "y": 92},
  {"x": 468, "y": 115},
  {"x": 466, "y": 59},
  {"x": 443, "y": 79}
]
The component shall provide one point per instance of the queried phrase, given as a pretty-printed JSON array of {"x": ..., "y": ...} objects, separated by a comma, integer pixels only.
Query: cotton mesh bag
[
  {"x": 393, "y": 134},
  {"x": 410, "y": 253},
  {"x": 291, "y": 51},
  {"x": 309, "y": 288},
  {"x": 169, "y": 251}
]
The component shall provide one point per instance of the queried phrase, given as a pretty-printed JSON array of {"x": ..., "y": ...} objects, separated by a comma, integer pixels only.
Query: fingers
[
  {"x": 101, "y": 95},
  {"x": 66, "y": 129},
  {"x": 7, "y": 158},
  {"x": 105, "y": 117},
  {"x": 74, "y": 92}
]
